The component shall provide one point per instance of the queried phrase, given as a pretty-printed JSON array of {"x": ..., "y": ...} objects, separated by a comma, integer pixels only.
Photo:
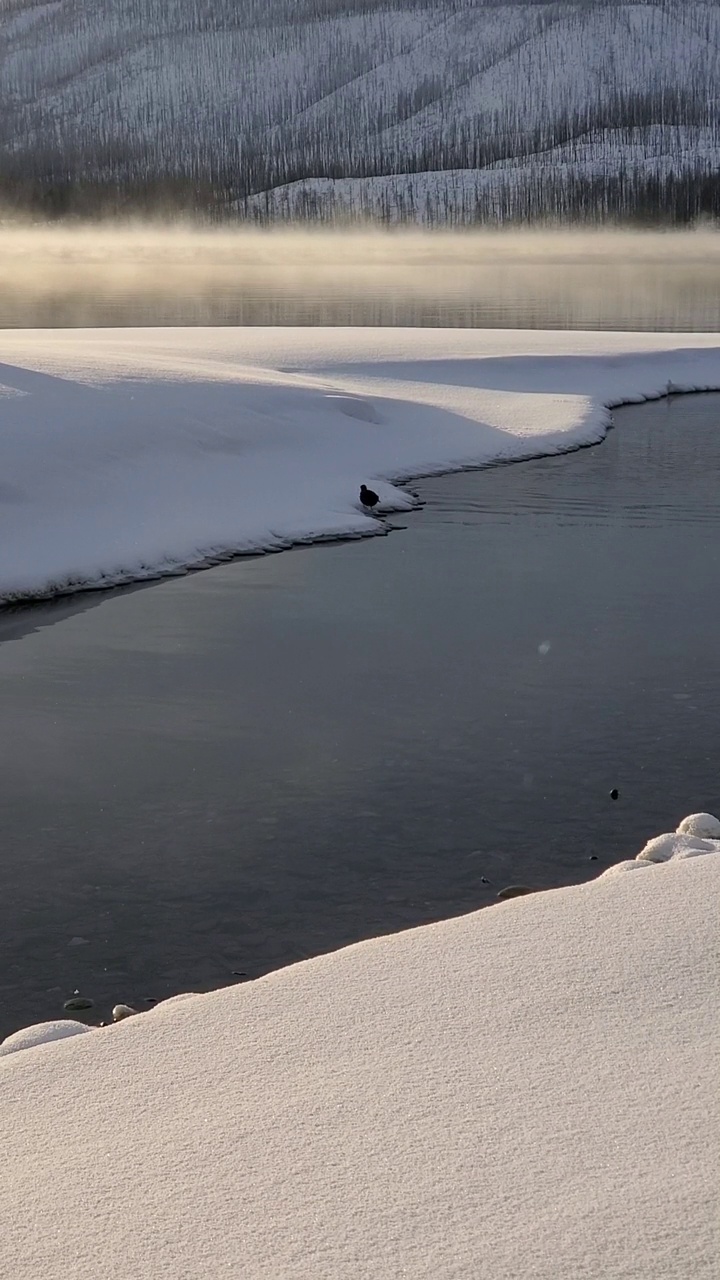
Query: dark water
[{"x": 231, "y": 771}]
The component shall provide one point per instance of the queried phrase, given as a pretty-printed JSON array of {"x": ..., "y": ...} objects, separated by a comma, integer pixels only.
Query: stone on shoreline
[
  {"x": 514, "y": 891},
  {"x": 123, "y": 1011}
]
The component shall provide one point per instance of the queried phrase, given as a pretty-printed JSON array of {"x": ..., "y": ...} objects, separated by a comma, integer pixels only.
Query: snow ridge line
[{"x": 215, "y": 446}]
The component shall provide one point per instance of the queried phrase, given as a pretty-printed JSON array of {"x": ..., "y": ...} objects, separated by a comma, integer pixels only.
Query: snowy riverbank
[
  {"x": 526, "y": 1091},
  {"x": 130, "y": 453}
]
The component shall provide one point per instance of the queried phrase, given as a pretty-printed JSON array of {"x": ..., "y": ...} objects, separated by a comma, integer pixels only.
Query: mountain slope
[{"x": 221, "y": 97}]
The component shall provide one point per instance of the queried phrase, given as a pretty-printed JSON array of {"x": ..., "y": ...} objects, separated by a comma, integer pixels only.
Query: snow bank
[
  {"x": 673, "y": 845},
  {"x": 41, "y": 1033},
  {"x": 130, "y": 453},
  {"x": 528, "y": 1091},
  {"x": 697, "y": 834}
]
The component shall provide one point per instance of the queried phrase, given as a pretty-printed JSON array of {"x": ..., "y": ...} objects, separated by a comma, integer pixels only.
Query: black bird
[{"x": 368, "y": 497}]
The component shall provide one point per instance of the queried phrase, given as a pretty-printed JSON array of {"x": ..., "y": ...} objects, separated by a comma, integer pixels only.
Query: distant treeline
[
  {"x": 276, "y": 92},
  {"x": 644, "y": 200}
]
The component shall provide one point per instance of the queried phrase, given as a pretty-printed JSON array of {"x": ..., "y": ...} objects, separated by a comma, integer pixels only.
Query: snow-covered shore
[
  {"x": 530, "y": 1090},
  {"x": 130, "y": 453}
]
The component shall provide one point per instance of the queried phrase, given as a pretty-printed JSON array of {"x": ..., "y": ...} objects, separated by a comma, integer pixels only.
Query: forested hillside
[{"x": 459, "y": 111}]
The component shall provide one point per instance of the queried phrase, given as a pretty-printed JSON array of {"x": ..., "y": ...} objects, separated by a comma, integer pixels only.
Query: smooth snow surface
[
  {"x": 528, "y": 1091},
  {"x": 127, "y": 453},
  {"x": 41, "y": 1033}
]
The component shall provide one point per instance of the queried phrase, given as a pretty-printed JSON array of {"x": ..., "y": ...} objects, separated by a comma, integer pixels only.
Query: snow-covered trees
[{"x": 210, "y": 103}]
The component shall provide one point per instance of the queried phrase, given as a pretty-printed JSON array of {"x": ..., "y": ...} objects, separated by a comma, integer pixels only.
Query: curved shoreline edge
[{"x": 131, "y": 455}]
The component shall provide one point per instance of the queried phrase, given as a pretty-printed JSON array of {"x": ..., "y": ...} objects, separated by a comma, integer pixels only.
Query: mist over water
[{"x": 154, "y": 274}]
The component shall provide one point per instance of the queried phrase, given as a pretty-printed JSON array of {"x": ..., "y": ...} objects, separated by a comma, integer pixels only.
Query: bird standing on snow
[{"x": 368, "y": 497}]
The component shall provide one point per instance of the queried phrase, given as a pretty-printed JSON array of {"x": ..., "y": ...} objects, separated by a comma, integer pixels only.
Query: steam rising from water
[{"x": 157, "y": 274}]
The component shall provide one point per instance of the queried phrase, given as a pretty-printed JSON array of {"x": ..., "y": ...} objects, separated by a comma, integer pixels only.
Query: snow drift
[
  {"x": 125, "y": 454},
  {"x": 41, "y": 1033},
  {"x": 526, "y": 1091}
]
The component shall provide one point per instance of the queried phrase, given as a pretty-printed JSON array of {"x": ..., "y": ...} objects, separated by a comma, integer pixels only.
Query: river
[{"x": 211, "y": 776}]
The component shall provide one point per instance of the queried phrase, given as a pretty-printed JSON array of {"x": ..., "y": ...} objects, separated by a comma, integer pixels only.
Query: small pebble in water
[
  {"x": 483, "y": 880},
  {"x": 122, "y": 1011},
  {"x": 614, "y": 794},
  {"x": 593, "y": 857},
  {"x": 76, "y": 1003}
]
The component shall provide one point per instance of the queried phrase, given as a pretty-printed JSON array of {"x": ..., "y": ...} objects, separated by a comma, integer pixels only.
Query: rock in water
[
  {"x": 76, "y": 1003},
  {"x": 614, "y": 794}
]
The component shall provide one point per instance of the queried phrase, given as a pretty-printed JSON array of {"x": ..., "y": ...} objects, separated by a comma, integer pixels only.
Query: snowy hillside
[{"x": 535, "y": 104}]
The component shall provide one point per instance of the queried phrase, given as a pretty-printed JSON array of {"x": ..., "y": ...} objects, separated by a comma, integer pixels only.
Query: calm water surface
[
  {"x": 673, "y": 297},
  {"x": 216, "y": 775},
  {"x": 672, "y": 292}
]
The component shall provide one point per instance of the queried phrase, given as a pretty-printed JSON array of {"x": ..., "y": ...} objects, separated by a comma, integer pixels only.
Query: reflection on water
[
  {"x": 227, "y": 772},
  {"x": 59, "y": 277},
  {"x": 570, "y": 297}
]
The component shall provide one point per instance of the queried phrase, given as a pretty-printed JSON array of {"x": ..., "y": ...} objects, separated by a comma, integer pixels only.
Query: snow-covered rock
[
  {"x": 705, "y": 825},
  {"x": 41, "y": 1033},
  {"x": 619, "y": 868},
  {"x": 673, "y": 845}
]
